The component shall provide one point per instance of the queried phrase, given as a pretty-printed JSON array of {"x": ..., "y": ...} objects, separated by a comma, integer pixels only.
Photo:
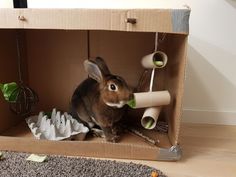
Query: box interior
[{"x": 52, "y": 66}]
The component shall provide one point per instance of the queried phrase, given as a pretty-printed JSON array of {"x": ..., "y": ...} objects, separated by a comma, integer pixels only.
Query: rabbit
[{"x": 101, "y": 99}]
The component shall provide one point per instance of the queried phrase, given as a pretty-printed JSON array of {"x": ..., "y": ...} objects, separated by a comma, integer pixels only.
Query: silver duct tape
[
  {"x": 172, "y": 154},
  {"x": 180, "y": 20}
]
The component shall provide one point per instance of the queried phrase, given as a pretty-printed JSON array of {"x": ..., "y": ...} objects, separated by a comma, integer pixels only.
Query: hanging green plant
[{"x": 10, "y": 91}]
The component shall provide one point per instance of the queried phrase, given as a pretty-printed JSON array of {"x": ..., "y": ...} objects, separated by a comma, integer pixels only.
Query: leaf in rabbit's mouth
[
  {"x": 116, "y": 105},
  {"x": 131, "y": 103}
]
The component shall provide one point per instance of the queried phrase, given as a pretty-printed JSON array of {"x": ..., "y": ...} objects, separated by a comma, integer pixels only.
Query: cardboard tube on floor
[
  {"x": 157, "y": 59},
  {"x": 150, "y": 99},
  {"x": 150, "y": 117}
]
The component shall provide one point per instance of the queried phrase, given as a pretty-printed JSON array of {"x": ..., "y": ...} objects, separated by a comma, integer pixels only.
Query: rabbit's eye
[{"x": 113, "y": 87}]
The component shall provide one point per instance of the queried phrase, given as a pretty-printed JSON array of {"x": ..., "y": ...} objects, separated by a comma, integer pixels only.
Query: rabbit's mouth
[{"x": 116, "y": 105}]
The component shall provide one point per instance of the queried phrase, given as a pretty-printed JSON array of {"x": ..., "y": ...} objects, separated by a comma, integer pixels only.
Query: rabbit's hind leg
[{"x": 80, "y": 113}]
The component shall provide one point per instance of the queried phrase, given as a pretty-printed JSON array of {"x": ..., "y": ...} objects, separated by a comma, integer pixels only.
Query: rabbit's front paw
[
  {"x": 113, "y": 138},
  {"x": 117, "y": 130},
  {"x": 98, "y": 132}
]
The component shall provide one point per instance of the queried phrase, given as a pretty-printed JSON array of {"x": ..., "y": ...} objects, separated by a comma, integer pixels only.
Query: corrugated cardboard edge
[
  {"x": 79, "y": 148},
  {"x": 175, "y": 139},
  {"x": 148, "y": 20}
]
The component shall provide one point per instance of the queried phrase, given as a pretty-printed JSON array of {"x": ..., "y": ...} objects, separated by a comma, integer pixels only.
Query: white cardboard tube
[
  {"x": 150, "y": 114},
  {"x": 150, "y": 99},
  {"x": 148, "y": 61}
]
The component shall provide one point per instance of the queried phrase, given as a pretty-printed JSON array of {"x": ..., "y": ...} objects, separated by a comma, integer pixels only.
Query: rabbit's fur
[{"x": 101, "y": 99}]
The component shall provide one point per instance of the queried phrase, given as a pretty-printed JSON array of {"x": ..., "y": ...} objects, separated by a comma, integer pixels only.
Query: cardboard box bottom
[{"x": 20, "y": 139}]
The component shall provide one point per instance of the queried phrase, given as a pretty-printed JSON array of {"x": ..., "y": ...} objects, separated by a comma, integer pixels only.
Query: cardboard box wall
[{"x": 52, "y": 67}]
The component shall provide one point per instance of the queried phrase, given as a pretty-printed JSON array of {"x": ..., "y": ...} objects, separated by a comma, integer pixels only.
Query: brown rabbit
[{"x": 101, "y": 99}]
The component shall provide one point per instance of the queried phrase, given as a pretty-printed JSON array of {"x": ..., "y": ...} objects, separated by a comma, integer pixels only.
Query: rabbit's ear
[
  {"x": 93, "y": 70},
  {"x": 102, "y": 65}
]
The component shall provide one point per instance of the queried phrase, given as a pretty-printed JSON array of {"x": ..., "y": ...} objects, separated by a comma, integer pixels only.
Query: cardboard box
[{"x": 55, "y": 45}]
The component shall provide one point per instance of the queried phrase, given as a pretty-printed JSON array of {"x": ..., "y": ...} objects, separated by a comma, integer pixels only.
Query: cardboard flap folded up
[{"x": 147, "y": 20}]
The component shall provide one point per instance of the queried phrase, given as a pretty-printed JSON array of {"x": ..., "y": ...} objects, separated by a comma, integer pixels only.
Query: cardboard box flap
[
  {"x": 160, "y": 20},
  {"x": 107, "y": 4},
  {"x": 146, "y": 20}
]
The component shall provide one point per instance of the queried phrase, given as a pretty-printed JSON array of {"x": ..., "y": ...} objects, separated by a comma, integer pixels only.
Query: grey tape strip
[
  {"x": 172, "y": 154},
  {"x": 180, "y": 20}
]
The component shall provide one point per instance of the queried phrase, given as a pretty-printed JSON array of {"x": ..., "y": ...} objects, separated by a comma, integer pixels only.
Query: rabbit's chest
[{"x": 107, "y": 117}]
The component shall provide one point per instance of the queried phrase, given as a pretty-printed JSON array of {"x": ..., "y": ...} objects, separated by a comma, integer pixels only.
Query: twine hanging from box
[{"x": 26, "y": 98}]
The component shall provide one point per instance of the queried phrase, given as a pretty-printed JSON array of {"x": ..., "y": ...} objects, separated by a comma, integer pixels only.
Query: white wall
[
  {"x": 6, "y": 3},
  {"x": 210, "y": 88}
]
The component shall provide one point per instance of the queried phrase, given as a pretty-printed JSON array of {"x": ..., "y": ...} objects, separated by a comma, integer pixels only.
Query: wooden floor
[{"x": 208, "y": 151}]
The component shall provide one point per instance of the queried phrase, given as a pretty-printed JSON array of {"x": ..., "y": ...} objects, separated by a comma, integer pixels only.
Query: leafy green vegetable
[
  {"x": 10, "y": 91},
  {"x": 132, "y": 103},
  {"x": 159, "y": 63},
  {"x": 149, "y": 123}
]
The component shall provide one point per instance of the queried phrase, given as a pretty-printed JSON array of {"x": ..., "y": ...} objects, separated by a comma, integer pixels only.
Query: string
[
  {"x": 88, "y": 44},
  {"x": 18, "y": 55},
  {"x": 153, "y": 70},
  {"x": 152, "y": 79},
  {"x": 156, "y": 42}
]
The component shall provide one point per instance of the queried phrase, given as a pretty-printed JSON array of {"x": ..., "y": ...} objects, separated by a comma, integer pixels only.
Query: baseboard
[{"x": 209, "y": 117}]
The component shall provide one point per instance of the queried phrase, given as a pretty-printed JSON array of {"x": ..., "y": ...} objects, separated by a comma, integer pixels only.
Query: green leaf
[
  {"x": 131, "y": 103},
  {"x": 149, "y": 123},
  {"x": 10, "y": 91}
]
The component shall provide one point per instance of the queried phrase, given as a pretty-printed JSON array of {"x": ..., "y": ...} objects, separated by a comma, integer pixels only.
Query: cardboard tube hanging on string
[
  {"x": 157, "y": 59},
  {"x": 150, "y": 117},
  {"x": 150, "y": 99}
]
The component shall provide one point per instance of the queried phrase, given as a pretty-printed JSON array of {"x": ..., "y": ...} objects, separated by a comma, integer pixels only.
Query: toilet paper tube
[
  {"x": 155, "y": 60},
  {"x": 150, "y": 117},
  {"x": 150, "y": 99}
]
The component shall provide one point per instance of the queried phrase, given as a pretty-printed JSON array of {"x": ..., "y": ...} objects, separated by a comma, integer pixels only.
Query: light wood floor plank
[{"x": 208, "y": 151}]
